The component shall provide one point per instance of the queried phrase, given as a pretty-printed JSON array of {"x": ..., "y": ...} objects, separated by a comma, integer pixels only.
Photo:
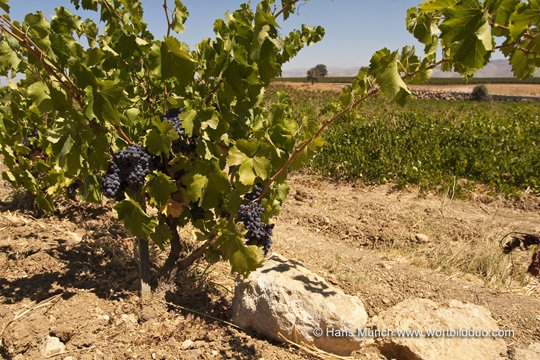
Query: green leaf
[
  {"x": 246, "y": 259},
  {"x": 104, "y": 101},
  {"x": 140, "y": 224},
  {"x": 90, "y": 189},
  {"x": 159, "y": 139},
  {"x": 8, "y": 58},
  {"x": 161, "y": 235},
  {"x": 253, "y": 158},
  {"x": 39, "y": 94},
  {"x": 136, "y": 12},
  {"x": 206, "y": 183},
  {"x": 525, "y": 16},
  {"x": 466, "y": 31},
  {"x": 347, "y": 96},
  {"x": 175, "y": 62},
  {"x": 243, "y": 259},
  {"x": 44, "y": 203},
  {"x": 179, "y": 17},
  {"x": 436, "y": 5},
  {"x": 4, "y": 6},
  {"x": 522, "y": 66},
  {"x": 503, "y": 9},
  {"x": 384, "y": 67},
  {"x": 38, "y": 24},
  {"x": 160, "y": 187}
]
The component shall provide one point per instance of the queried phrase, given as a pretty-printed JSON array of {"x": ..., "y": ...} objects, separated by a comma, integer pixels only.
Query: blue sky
[{"x": 355, "y": 29}]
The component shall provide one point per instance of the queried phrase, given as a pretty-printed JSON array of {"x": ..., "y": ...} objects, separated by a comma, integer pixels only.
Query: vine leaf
[
  {"x": 136, "y": 12},
  {"x": 161, "y": 235},
  {"x": 8, "y": 58},
  {"x": 384, "y": 67},
  {"x": 525, "y": 16},
  {"x": 104, "y": 100},
  {"x": 521, "y": 65},
  {"x": 135, "y": 219},
  {"x": 243, "y": 259},
  {"x": 504, "y": 10},
  {"x": 4, "y": 6},
  {"x": 466, "y": 31},
  {"x": 253, "y": 158},
  {"x": 39, "y": 93},
  {"x": 176, "y": 62},
  {"x": 179, "y": 17},
  {"x": 207, "y": 183},
  {"x": 159, "y": 139},
  {"x": 160, "y": 187},
  {"x": 436, "y": 5},
  {"x": 173, "y": 208}
]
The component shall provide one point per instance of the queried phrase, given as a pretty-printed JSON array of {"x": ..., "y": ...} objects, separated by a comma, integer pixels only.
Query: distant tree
[
  {"x": 313, "y": 75},
  {"x": 322, "y": 70}
]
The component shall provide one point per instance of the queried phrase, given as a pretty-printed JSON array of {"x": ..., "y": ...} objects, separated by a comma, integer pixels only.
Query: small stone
[
  {"x": 51, "y": 346},
  {"x": 195, "y": 353},
  {"x": 186, "y": 344},
  {"x": 532, "y": 352},
  {"x": 421, "y": 238}
]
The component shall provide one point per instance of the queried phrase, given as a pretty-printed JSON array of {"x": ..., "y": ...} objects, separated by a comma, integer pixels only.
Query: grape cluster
[
  {"x": 129, "y": 168},
  {"x": 28, "y": 143},
  {"x": 26, "y": 140},
  {"x": 257, "y": 232},
  {"x": 71, "y": 190},
  {"x": 184, "y": 143},
  {"x": 257, "y": 191}
]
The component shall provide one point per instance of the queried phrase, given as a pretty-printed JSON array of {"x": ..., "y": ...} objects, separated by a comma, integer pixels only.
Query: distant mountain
[{"x": 496, "y": 68}]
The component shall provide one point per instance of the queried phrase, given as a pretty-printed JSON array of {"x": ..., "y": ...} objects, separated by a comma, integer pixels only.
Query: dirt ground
[
  {"x": 494, "y": 89},
  {"x": 73, "y": 274}
]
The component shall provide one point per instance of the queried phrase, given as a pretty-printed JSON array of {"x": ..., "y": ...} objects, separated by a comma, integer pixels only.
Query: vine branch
[
  {"x": 188, "y": 261},
  {"x": 286, "y": 7}
]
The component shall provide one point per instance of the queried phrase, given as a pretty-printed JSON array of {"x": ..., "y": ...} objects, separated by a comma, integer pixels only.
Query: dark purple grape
[
  {"x": 257, "y": 191},
  {"x": 257, "y": 232},
  {"x": 27, "y": 140},
  {"x": 129, "y": 169},
  {"x": 184, "y": 144}
]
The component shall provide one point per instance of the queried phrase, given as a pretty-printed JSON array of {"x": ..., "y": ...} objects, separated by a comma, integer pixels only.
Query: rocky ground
[
  {"x": 73, "y": 275},
  {"x": 69, "y": 287}
]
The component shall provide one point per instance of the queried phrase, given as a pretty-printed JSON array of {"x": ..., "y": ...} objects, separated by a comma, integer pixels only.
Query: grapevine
[{"x": 177, "y": 135}]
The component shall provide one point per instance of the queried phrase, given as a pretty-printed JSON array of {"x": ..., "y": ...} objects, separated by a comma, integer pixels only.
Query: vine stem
[
  {"x": 188, "y": 261},
  {"x": 111, "y": 9},
  {"x": 169, "y": 25},
  {"x": 214, "y": 90},
  {"x": 286, "y": 7}
]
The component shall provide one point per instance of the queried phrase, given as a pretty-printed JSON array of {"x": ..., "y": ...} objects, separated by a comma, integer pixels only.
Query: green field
[
  {"x": 430, "y": 143},
  {"x": 432, "y": 81}
]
